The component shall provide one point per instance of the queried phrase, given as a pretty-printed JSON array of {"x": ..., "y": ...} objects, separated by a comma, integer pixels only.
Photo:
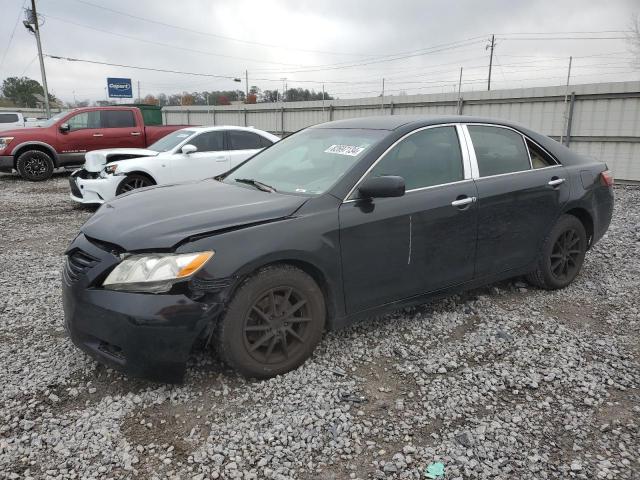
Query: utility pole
[
  {"x": 382, "y": 98},
  {"x": 246, "y": 85},
  {"x": 323, "y": 99},
  {"x": 492, "y": 46},
  {"x": 459, "y": 89},
  {"x": 33, "y": 20},
  {"x": 139, "y": 97},
  {"x": 565, "y": 117}
]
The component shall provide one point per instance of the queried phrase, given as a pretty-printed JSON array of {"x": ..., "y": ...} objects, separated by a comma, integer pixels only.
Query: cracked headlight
[{"x": 155, "y": 272}]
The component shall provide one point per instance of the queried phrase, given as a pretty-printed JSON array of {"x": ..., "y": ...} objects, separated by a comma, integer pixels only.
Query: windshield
[
  {"x": 54, "y": 119},
  {"x": 171, "y": 141},
  {"x": 308, "y": 162}
]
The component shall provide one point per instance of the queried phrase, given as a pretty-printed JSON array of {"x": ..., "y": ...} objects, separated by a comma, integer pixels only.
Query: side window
[
  {"x": 85, "y": 120},
  {"x": 118, "y": 119},
  {"x": 8, "y": 118},
  {"x": 265, "y": 142},
  {"x": 241, "y": 140},
  {"x": 209, "y": 141},
  {"x": 539, "y": 158},
  {"x": 498, "y": 150},
  {"x": 426, "y": 158}
]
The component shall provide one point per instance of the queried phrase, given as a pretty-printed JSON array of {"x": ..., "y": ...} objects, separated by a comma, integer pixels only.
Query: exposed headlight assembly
[
  {"x": 111, "y": 169},
  {"x": 4, "y": 142},
  {"x": 155, "y": 272}
]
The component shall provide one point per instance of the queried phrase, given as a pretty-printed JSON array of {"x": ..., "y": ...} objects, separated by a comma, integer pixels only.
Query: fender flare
[{"x": 31, "y": 143}]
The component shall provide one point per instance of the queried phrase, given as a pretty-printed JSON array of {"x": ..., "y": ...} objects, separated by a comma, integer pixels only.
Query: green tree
[{"x": 21, "y": 90}]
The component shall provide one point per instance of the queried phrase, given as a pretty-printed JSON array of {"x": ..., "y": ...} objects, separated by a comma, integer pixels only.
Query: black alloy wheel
[
  {"x": 562, "y": 254},
  {"x": 34, "y": 165},
  {"x": 133, "y": 182},
  {"x": 565, "y": 255},
  {"x": 276, "y": 326},
  {"x": 273, "y": 322}
]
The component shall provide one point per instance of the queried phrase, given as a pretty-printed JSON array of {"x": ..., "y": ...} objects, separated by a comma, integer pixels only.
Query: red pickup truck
[{"x": 63, "y": 140}]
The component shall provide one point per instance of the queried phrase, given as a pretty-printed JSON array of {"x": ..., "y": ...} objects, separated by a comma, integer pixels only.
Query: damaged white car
[{"x": 192, "y": 153}]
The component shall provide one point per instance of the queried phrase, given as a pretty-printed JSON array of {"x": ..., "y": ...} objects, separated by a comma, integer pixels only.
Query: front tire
[
  {"x": 35, "y": 165},
  {"x": 273, "y": 323},
  {"x": 562, "y": 255},
  {"x": 133, "y": 182}
]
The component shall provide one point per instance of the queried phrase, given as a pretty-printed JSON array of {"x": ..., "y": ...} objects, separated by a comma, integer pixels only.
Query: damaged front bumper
[{"x": 92, "y": 188}]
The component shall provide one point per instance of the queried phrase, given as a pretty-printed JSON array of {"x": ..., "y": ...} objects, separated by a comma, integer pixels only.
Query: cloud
[{"x": 330, "y": 35}]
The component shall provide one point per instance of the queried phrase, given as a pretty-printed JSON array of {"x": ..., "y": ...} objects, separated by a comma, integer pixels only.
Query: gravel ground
[{"x": 503, "y": 382}]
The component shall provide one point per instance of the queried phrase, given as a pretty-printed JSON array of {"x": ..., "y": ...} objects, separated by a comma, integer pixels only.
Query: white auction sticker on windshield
[
  {"x": 350, "y": 150},
  {"x": 182, "y": 135}
]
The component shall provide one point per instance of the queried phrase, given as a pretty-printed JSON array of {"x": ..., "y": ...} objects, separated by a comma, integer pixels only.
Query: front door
[
  {"x": 395, "y": 248},
  {"x": 85, "y": 134},
  {"x": 208, "y": 161},
  {"x": 520, "y": 191}
]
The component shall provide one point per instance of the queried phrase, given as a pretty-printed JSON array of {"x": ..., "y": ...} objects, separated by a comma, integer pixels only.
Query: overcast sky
[{"x": 417, "y": 46}]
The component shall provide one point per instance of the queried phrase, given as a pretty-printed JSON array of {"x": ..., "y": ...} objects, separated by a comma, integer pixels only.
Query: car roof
[
  {"x": 223, "y": 127},
  {"x": 391, "y": 122}
]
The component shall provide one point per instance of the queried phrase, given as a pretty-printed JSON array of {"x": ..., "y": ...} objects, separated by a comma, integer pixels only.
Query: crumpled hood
[
  {"x": 160, "y": 217},
  {"x": 97, "y": 159}
]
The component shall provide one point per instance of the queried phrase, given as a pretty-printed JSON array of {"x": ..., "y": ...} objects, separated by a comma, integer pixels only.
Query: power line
[
  {"x": 208, "y": 34},
  {"x": 386, "y": 58},
  {"x": 167, "y": 45},
  {"x": 96, "y": 62},
  {"x": 4, "y": 55}
]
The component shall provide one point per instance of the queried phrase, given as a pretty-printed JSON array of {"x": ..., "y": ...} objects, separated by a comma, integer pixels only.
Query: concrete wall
[{"x": 605, "y": 122}]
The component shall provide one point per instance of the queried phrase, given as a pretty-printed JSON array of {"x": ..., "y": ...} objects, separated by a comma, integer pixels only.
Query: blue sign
[{"x": 119, "y": 88}]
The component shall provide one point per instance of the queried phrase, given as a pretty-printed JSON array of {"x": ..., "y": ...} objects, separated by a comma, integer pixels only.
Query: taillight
[{"x": 606, "y": 178}]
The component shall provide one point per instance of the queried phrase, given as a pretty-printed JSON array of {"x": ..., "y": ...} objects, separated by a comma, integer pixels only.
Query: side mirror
[
  {"x": 65, "y": 127},
  {"x": 188, "y": 148},
  {"x": 381, "y": 187}
]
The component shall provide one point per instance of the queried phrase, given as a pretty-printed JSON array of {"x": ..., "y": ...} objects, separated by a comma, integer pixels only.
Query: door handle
[
  {"x": 555, "y": 182},
  {"x": 221, "y": 159},
  {"x": 135, "y": 134},
  {"x": 463, "y": 201},
  {"x": 98, "y": 135}
]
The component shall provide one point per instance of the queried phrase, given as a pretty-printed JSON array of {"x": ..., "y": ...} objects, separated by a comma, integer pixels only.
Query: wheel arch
[
  {"x": 40, "y": 146},
  {"x": 144, "y": 173},
  {"x": 321, "y": 278},
  {"x": 586, "y": 219}
]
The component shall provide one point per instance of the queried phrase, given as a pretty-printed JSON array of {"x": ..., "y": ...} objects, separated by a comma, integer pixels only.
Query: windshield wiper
[{"x": 259, "y": 185}]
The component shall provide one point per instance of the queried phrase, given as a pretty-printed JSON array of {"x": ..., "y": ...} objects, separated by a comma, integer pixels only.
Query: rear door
[
  {"x": 395, "y": 248},
  {"x": 521, "y": 189},
  {"x": 208, "y": 161},
  {"x": 119, "y": 129},
  {"x": 242, "y": 144}
]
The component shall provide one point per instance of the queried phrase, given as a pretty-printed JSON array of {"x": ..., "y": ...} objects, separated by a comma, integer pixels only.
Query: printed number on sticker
[{"x": 350, "y": 150}]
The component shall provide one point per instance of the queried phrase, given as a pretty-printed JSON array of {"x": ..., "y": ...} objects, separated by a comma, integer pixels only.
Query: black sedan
[{"x": 339, "y": 221}]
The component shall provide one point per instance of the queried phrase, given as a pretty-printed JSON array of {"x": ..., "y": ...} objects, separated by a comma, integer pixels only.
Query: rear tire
[
  {"x": 273, "y": 322},
  {"x": 133, "y": 182},
  {"x": 35, "y": 165},
  {"x": 562, "y": 255}
]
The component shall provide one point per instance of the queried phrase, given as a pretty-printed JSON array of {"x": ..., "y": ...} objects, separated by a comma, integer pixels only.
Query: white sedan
[{"x": 192, "y": 153}]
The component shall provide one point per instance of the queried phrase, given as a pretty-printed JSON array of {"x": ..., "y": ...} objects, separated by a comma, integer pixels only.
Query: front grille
[
  {"x": 78, "y": 262},
  {"x": 75, "y": 191}
]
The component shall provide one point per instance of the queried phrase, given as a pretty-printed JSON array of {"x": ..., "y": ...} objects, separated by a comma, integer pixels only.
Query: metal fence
[{"x": 602, "y": 120}]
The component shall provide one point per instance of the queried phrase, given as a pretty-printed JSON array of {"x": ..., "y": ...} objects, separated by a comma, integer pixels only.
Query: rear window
[
  {"x": 118, "y": 119},
  {"x": 8, "y": 118},
  {"x": 241, "y": 140},
  {"x": 498, "y": 150}
]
